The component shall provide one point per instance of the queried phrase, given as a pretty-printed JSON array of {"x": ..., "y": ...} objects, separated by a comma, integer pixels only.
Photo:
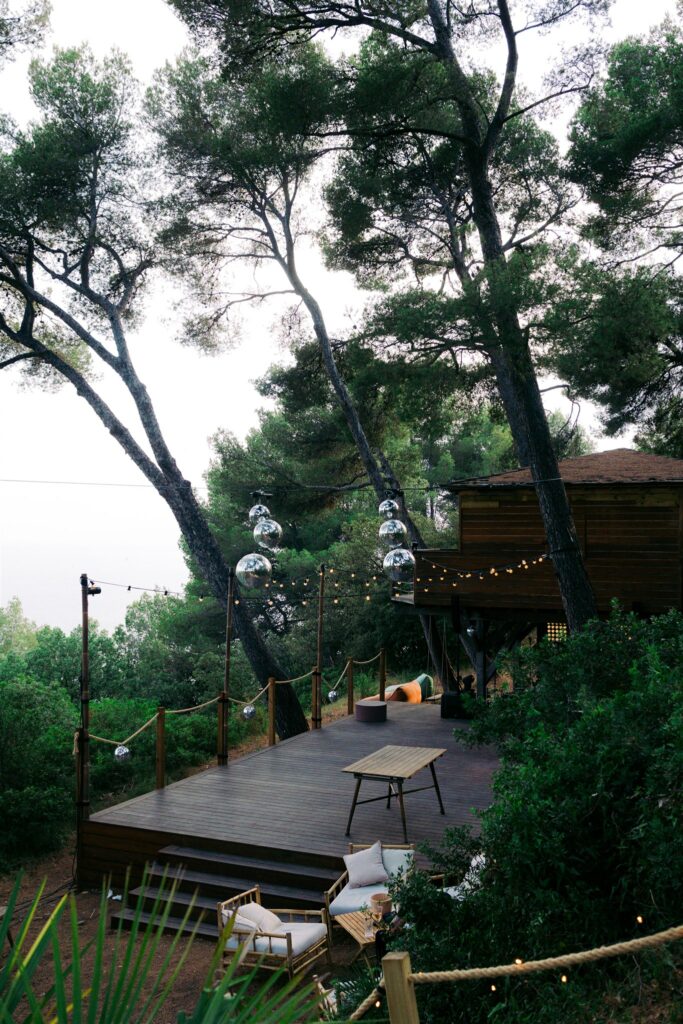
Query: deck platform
[{"x": 292, "y": 800}]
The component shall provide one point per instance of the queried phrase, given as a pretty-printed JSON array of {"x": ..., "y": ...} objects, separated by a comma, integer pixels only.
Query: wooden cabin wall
[{"x": 631, "y": 539}]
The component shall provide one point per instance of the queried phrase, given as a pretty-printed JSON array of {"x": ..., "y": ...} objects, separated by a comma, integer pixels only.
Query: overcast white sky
[{"x": 50, "y": 533}]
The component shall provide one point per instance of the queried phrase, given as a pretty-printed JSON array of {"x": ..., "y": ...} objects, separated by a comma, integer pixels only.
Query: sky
[{"x": 65, "y": 517}]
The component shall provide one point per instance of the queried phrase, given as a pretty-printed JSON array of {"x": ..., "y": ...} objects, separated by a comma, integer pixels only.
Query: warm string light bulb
[{"x": 563, "y": 979}]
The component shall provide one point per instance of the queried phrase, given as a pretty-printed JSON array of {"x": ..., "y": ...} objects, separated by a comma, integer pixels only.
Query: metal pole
[{"x": 83, "y": 758}]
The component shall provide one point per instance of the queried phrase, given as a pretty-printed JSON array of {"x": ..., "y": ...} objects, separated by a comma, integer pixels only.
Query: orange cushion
[{"x": 408, "y": 693}]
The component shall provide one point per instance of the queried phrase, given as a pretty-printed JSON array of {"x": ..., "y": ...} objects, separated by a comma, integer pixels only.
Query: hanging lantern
[
  {"x": 399, "y": 565},
  {"x": 121, "y": 753},
  {"x": 388, "y": 508},
  {"x": 257, "y": 513},
  {"x": 253, "y": 571},
  {"x": 268, "y": 534},
  {"x": 332, "y": 696},
  {"x": 392, "y": 533},
  {"x": 248, "y": 711}
]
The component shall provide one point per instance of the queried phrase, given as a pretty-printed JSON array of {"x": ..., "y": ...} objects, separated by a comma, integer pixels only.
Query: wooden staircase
[{"x": 210, "y": 876}]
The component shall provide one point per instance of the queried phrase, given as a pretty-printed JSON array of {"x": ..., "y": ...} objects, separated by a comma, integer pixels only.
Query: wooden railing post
[
  {"x": 349, "y": 686},
  {"x": 400, "y": 989},
  {"x": 161, "y": 747},
  {"x": 222, "y": 745},
  {"x": 316, "y": 697},
  {"x": 271, "y": 711},
  {"x": 382, "y": 673}
]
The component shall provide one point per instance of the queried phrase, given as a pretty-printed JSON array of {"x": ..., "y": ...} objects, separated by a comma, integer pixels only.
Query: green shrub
[
  {"x": 583, "y": 836},
  {"x": 37, "y": 724}
]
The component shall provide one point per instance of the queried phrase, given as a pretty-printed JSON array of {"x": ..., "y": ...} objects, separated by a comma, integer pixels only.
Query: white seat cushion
[
  {"x": 352, "y": 898},
  {"x": 304, "y": 935}
]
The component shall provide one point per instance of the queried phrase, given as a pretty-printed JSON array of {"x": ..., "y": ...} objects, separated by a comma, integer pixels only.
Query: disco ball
[
  {"x": 268, "y": 534},
  {"x": 399, "y": 565},
  {"x": 248, "y": 711},
  {"x": 122, "y": 753},
  {"x": 253, "y": 571},
  {"x": 392, "y": 533},
  {"x": 257, "y": 513},
  {"x": 332, "y": 696},
  {"x": 388, "y": 508}
]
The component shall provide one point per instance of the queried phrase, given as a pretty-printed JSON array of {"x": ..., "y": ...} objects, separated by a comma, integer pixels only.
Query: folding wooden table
[{"x": 394, "y": 765}]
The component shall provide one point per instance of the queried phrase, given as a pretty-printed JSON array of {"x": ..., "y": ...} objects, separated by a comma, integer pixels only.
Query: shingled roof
[{"x": 618, "y": 466}]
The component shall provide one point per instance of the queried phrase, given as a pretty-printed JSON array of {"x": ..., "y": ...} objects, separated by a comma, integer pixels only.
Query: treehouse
[{"x": 499, "y": 585}]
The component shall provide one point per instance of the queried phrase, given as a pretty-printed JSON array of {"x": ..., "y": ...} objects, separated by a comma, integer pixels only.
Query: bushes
[
  {"x": 584, "y": 832},
  {"x": 37, "y": 724}
]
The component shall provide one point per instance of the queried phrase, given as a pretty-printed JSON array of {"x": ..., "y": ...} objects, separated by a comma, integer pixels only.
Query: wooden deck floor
[{"x": 295, "y": 797}]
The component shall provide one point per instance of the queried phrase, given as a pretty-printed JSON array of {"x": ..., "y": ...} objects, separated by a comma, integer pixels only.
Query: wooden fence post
[
  {"x": 349, "y": 686},
  {"x": 271, "y": 711},
  {"x": 382, "y": 673},
  {"x": 316, "y": 697},
  {"x": 400, "y": 989},
  {"x": 161, "y": 747}
]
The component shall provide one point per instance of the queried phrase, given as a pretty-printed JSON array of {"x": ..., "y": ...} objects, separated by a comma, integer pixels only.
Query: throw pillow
[
  {"x": 265, "y": 920},
  {"x": 366, "y": 867}
]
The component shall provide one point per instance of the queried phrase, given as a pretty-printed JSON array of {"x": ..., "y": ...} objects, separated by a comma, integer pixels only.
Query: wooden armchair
[
  {"x": 343, "y": 899},
  {"x": 298, "y": 940}
]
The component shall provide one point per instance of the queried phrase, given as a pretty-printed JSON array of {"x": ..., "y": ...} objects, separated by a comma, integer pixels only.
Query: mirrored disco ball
[
  {"x": 399, "y": 565},
  {"x": 257, "y": 513},
  {"x": 248, "y": 711},
  {"x": 388, "y": 508},
  {"x": 392, "y": 533},
  {"x": 121, "y": 753},
  {"x": 332, "y": 696},
  {"x": 253, "y": 571},
  {"x": 268, "y": 534}
]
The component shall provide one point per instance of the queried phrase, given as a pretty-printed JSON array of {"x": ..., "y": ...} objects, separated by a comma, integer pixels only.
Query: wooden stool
[{"x": 371, "y": 711}]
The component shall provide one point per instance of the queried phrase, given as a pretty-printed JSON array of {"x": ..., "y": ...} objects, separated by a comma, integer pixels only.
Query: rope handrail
[
  {"x": 197, "y": 707},
  {"x": 243, "y": 703},
  {"x": 122, "y": 743},
  {"x": 279, "y": 682},
  {"x": 369, "y": 1001},
  {"x": 568, "y": 960},
  {"x": 369, "y": 660},
  {"x": 335, "y": 686}
]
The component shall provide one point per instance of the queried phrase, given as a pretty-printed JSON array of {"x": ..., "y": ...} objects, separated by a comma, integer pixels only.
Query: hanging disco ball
[
  {"x": 332, "y": 696},
  {"x": 257, "y": 513},
  {"x": 122, "y": 753},
  {"x": 399, "y": 565},
  {"x": 253, "y": 571},
  {"x": 268, "y": 534},
  {"x": 248, "y": 711},
  {"x": 388, "y": 508},
  {"x": 392, "y": 533}
]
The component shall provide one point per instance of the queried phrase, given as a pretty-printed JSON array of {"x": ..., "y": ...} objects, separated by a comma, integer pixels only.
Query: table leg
[
  {"x": 436, "y": 787},
  {"x": 403, "y": 810},
  {"x": 353, "y": 805},
  {"x": 389, "y": 797}
]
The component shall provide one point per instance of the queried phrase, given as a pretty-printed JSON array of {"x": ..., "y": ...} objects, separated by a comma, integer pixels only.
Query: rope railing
[
  {"x": 369, "y": 661},
  {"x": 399, "y": 981},
  {"x": 297, "y": 679},
  {"x": 550, "y": 963}
]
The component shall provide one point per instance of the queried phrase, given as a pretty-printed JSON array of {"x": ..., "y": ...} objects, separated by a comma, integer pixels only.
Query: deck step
[
  {"x": 223, "y": 886},
  {"x": 249, "y": 867},
  {"x": 205, "y": 930}
]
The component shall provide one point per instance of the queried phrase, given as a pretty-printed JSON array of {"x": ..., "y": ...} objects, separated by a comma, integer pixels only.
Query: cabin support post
[
  {"x": 271, "y": 711},
  {"x": 400, "y": 989},
  {"x": 316, "y": 702},
  {"x": 349, "y": 686},
  {"x": 382, "y": 673},
  {"x": 161, "y": 748}
]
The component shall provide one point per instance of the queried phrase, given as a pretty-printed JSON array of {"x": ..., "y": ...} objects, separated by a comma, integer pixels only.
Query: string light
[
  {"x": 639, "y": 919},
  {"x": 563, "y": 979},
  {"x": 493, "y": 988}
]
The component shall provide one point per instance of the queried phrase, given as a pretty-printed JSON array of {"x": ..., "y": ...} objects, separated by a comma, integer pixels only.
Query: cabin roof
[{"x": 617, "y": 466}]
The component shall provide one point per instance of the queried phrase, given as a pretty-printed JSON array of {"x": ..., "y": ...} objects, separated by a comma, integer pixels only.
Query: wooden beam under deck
[{"x": 291, "y": 801}]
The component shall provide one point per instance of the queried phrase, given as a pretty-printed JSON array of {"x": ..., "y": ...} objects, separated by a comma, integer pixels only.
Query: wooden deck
[{"x": 292, "y": 800}]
